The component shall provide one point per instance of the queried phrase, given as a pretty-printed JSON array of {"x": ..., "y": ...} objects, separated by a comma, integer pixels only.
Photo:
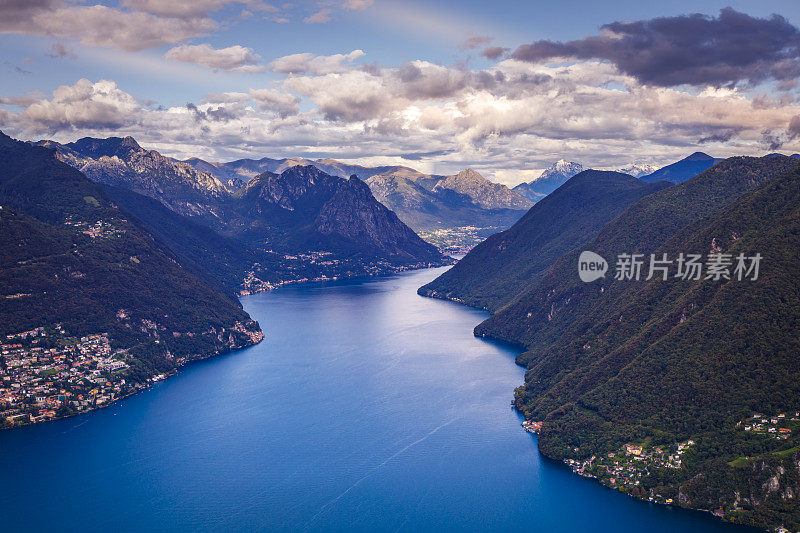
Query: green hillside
[
  {"x": 219, "y": 260},
  {"x": 506, "y": 263},
  {"x": 657, "y": 363},
  {"x": 72, "y": 257}
]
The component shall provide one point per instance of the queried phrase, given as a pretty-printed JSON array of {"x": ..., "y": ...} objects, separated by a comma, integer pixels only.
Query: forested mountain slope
[
  {"x": 507, "y": 263},
  {"x": 72, "y": 257},
  {"x": 654, "y": 363}
]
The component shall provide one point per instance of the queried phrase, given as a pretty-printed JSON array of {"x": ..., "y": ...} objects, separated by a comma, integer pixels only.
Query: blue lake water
[{"x": 366, "y": 408}]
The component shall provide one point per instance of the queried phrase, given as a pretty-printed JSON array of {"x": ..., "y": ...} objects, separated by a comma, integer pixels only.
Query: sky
[{"x": 506, "y": 88}]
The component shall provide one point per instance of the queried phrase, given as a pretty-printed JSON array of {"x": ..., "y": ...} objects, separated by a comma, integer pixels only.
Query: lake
[{"x": 366, "y": 408}]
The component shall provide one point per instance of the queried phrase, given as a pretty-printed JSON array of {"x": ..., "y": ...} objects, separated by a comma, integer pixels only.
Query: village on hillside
[{"x": 47, "y": 374}]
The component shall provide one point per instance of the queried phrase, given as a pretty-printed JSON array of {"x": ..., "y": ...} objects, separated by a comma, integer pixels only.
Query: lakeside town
[
  {"x": 316, "y": 266},
  {"x": 46, "y": 373},
  {"x": 626, "y": 469},
  {"x": 459, "y": 240}
]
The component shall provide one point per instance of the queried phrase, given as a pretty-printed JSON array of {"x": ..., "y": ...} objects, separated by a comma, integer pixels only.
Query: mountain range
[
  {"x": 103, "y": 237},
  {"x": 275, "y": 228},
  {"x": 648, "y": 364},
  {"x": 73, "y": 257},
  {"x": 549, "y": 180},
  {"x": 428, "y": 203},
  {"x": 120, "y": 265},
  {"x": 559, "y": 172},
  {"x": 684, "y": 169}
]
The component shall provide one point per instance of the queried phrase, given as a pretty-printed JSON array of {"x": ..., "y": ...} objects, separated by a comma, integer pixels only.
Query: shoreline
[
  {"x": 266, "y": 286},
  {"x": 562, "y": 463},
  {"x": 533, "y": 427},
  {"x": 256, "y": 338},
  {"x": 152, "y": 380}
]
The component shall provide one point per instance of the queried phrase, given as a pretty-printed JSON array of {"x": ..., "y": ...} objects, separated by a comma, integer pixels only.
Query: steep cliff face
[
  {"x": 306, "y": 208},
  {"x": 297, "y": 190},
  {"x": 761, "y": 490},
  {"x": 353, "y": 213},
  {"x": 121, "y": 162}
]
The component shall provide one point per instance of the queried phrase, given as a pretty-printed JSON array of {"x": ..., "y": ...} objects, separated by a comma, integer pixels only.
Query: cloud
[
  {"x": 689, "y": 49},
  {"x": 280, "y": 102},
  {"x": 21, "y": 101},
  {"x": 793, "y": 130},
  {"x": 357, "y": 4},
  {"x": 85, "y": 104},
  {"x": 503, "y": 120},
  {"x": 226, "y": 98},
  {"x": 320, "y": 17},
  {"x": 231, "y": 59},
  {"x": 307, "y": 63},
  {"x": 192, "y": 8},
  {"x": 475, "y": 41},
  {"x": 494, "y": 52},
  {"x": 16, "y": 68},
  {"x": 213, "y": 114},
  {"x": 99, "y": 25},
  {"x": 60, "y": 51}
]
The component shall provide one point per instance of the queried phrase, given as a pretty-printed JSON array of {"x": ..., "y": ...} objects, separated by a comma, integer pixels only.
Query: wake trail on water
[{"x": 375, "y": 469}]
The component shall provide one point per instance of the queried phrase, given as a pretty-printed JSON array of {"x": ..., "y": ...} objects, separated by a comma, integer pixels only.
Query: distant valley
[
  {"x": 454, "y": 212},
  {"x": 122, "y": 265}
]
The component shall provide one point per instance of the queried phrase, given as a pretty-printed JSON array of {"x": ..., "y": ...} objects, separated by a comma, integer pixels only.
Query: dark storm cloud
[
  {"x": 21, "y": 11},
  {"x": 689, "y": 49}
]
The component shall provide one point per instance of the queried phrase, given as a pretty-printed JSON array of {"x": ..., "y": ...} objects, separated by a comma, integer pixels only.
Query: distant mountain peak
[
  {"x": 637, "y": 170},
  {"x": 481, "y": 191},
  {"x": 562, "y": 167},
  {"x": 698, "y": 156},
  {"x": 130, "y": 142},
  {"x": 549, "y": 180},
  {"x": 684, "y": 169},
  {"x": 105, "y": 147},
  {"x": 470, "y": 174}
]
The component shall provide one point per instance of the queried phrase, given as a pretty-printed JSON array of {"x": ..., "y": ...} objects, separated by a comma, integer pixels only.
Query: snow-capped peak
[
  {"x": 562, "y": 167},
  {"x": 637, "y": 170}
]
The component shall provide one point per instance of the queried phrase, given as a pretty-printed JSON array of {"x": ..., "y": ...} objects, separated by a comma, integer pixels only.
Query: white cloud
[
  {"x": 231, "y": 59},
  {"x": 320, "y": 17},
  {"x": 282, "y": 103},
  {"x": 505, "y": 121},
  {"x": 85, "y": 105},
  {"x": 192, "y": 8},
  {"x": 357, "y": 4},
  {"x": 307, "y": 63},
  {"x": 99, "y": 25}
]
